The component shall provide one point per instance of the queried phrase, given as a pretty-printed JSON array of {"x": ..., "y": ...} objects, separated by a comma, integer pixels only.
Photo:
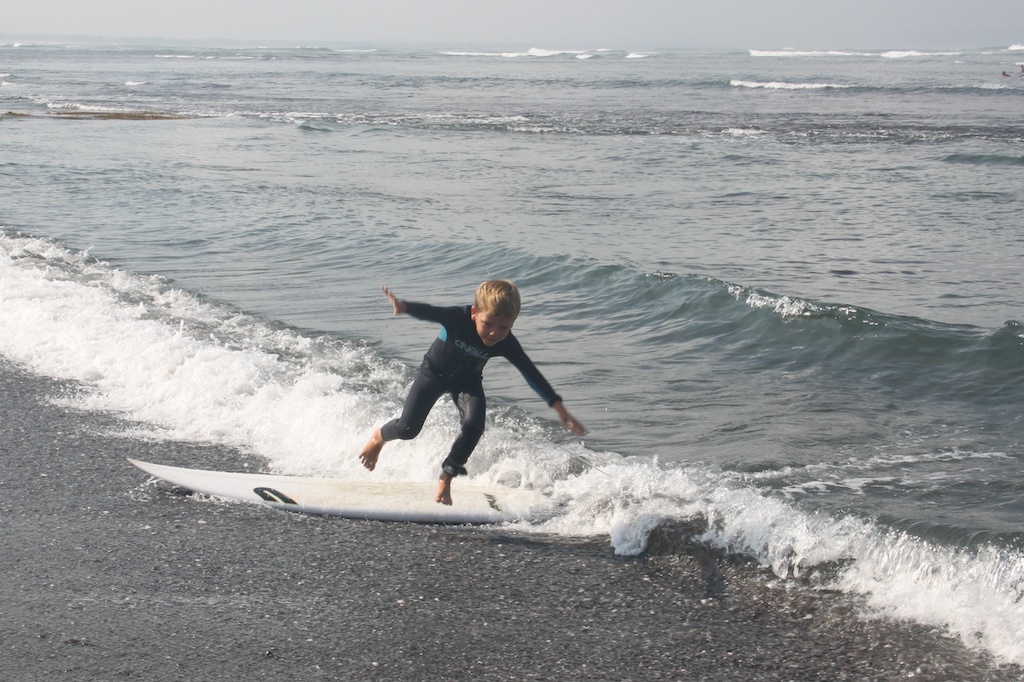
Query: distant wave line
[
  {"x": 888, "y": 54},
  {"x": 778, "y": 85},
  {"x": 536, "y": 52}
]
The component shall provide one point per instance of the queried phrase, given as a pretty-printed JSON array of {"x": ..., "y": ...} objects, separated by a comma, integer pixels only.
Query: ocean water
[{"x": 781, "y": 288}]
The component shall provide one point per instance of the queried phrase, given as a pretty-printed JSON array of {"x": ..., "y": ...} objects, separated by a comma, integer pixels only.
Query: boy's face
[{"x": 491, "y": 327}]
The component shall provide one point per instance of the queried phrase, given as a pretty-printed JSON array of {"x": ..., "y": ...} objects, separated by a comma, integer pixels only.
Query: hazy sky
[{"x": 555, "y": 24}]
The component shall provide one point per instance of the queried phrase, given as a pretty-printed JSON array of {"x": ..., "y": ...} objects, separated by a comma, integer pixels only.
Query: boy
[{"x": 454, "y": 363}]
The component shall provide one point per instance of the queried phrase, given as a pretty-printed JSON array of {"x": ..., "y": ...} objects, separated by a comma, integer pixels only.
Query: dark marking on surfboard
[
  {"x": 271, "y": 495},
  {"x": 493, "y": 501}
]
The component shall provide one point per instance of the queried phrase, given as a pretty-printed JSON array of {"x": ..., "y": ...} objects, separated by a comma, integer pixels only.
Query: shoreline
[{"x": 109, "y": 576}]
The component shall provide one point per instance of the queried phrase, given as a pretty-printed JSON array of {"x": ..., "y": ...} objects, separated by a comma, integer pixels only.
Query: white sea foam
[
  {"x": 976, "y": 595},
  {"x": 784, "y": 306},
  {"x": 778, "y": 85},
  {"x": 75, "y": 106},
  {"x": 744, "y": 132},
  {"x": 532, "y": 52},
  {"x": 184, "y": 368},
  {"x": 463, "y": 53},
  {"x": 903, "y": 54},
  {"x": 539, "y": 52}
]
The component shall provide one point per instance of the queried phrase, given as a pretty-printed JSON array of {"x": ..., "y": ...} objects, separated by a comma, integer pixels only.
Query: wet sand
[{"x": 106, "y": 576}]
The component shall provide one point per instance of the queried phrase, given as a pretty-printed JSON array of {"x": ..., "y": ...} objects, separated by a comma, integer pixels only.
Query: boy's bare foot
[
  {"x": 372, "y": 450},
  {"x": 444, "y": 489}
]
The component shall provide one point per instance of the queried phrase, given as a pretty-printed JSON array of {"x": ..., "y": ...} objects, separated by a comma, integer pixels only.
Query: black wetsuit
[{"x": 454, "y": 364}]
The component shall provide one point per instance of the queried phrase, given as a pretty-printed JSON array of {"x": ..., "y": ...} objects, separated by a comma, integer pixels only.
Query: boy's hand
[
  {"x": 568, "y": 421},
  {"x": 396, "y": 303}
]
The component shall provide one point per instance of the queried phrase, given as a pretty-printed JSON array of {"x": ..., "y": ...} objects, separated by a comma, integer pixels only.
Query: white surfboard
[{"x": 378, "y": 500}]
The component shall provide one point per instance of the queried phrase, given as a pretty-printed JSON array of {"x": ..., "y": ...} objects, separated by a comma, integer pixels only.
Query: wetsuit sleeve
[
  {"x": 433, "y": 313},
  {"x": 521, "y": 361}
]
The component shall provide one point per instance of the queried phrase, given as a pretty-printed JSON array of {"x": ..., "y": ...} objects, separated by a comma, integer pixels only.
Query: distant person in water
[{"x": 454, "y": 363}]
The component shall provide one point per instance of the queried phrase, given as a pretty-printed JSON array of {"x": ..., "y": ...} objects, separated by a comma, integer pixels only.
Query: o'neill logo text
[{"x": 471, "y": 350}]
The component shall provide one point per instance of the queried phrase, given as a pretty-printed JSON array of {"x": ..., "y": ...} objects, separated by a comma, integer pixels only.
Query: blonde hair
[{"x": 499, "y": 297}]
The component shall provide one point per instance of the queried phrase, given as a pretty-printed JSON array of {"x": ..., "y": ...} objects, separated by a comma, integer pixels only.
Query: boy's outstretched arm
[
  {"x": 397, "y": 303},
  {"x": 568, "y": 421}
]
